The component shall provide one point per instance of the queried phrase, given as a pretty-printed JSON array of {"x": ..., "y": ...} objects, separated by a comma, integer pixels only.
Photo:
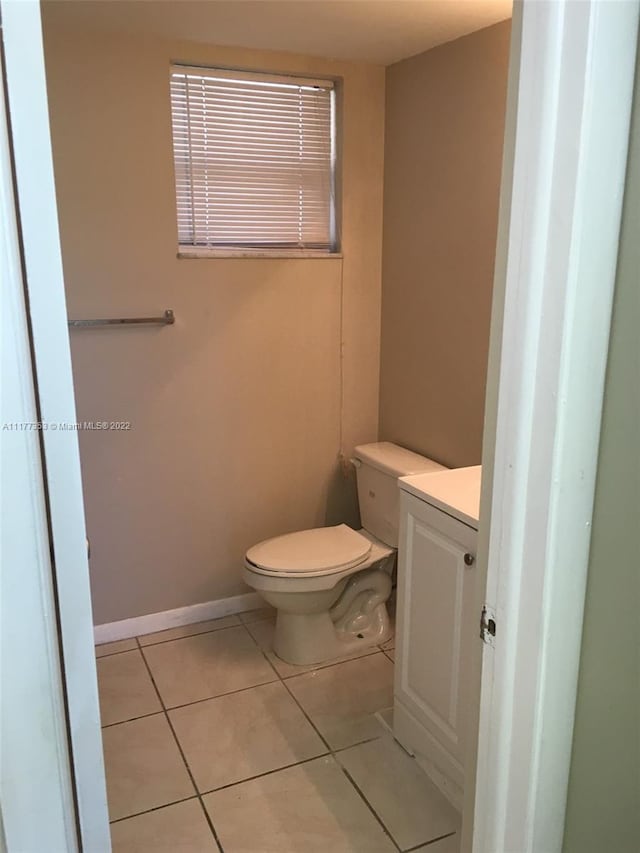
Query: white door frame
[
  {"x": 37, "y": 805},
  {"x": 573, "y": 65},
  {"x": 566, "y": 148},
  {"x": 51, "y": 471}
]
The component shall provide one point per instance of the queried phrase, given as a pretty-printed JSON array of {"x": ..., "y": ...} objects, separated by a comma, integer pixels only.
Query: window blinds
[{"x": 254, "y": 160}]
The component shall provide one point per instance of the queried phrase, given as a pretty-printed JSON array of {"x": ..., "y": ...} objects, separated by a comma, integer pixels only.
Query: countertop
[{"x": 455, "y": 491}]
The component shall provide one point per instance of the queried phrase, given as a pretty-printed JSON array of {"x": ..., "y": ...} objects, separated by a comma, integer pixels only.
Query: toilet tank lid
[{"x": 395, "y": 460}]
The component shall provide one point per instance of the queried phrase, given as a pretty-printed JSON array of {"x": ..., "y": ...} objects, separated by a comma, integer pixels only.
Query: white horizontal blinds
[{"x": 253, "y": 158}]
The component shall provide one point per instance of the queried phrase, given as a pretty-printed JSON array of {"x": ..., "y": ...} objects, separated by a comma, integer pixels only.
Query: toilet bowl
[{"x": 330, "y": 585}]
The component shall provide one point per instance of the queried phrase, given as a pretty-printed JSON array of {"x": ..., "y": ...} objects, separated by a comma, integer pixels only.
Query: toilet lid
[{"x": 323, "y": 549}]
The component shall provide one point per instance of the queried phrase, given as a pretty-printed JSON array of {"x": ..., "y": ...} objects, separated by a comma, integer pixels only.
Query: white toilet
[{"x": 330, "y": 584}]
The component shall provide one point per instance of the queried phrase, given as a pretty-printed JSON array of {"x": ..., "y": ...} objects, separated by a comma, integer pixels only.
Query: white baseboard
[{"x": 151, "y": 622}]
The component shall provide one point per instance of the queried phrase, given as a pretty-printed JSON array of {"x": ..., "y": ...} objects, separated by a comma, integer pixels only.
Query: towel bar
[{"x": 167, "y": 319}]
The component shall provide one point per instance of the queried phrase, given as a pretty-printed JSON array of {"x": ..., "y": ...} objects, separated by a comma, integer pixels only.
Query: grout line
[
  {"x": 330, "y": 753},
  {"x": 340, "y": 749},
  {"x": 185, "y": 636},
  {"x": 373, "y": 650},
  {"x": 132, "y": 719},
  {"x": 186, "y": 704},
  {"x": 154, "y": 809},
  {"x": 369, "y": 806},
  {"x": 207, "y": 817},
  {"x": 284, "y": 680},
  {"x": 427, "y": 843},
  {"x": 388, "y": 657},
  {"x": 181, "y": 751},
  {"x": 161, "y": 642},
  {"x": 167, "y": 640},
  {"x": 113, "y": 654},
  {"x": 220, "y": 695},
  {"x": 333, "y": 752},
  {"x": 278, "y": 677},
  {"x": 267, "y": 773},
  {"x": 284, "y": 684}
]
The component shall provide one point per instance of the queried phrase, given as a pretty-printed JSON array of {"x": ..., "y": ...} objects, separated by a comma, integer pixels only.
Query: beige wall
[
  {"x": 603, "y": 807},
  {"x": 443, "y": 148},
  {"x": 235, "y": 410}
]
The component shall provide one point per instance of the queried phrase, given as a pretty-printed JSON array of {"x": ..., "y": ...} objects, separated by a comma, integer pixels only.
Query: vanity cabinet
[{"x": 434, "y": 637}]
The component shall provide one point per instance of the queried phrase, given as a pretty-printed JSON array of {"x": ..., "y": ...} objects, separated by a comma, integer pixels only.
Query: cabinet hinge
[{"x": 488, "y": 626}]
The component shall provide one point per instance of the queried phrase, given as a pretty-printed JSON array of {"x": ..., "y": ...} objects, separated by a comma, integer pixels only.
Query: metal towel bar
[{"x": 167, "y": 319}]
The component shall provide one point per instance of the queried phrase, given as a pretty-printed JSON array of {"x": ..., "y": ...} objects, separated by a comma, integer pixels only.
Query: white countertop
[{"x": 455, "y": 491}]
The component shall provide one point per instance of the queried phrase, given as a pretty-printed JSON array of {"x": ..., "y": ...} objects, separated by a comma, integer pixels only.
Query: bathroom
[{"x": 241, "y": 418}]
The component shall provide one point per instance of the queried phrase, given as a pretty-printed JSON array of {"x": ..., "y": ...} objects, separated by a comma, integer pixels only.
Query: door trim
[
  {"x": 35, "y": 765},
  {"x": 571, "y": 86},
  {"x": 38, "y": 218}
]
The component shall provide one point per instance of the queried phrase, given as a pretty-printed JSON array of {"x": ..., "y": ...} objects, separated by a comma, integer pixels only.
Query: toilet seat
[{"x": 310, "y": 553}]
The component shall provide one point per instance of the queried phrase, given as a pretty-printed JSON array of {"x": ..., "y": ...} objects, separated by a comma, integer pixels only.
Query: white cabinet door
[{"x": 434, "y": 635}]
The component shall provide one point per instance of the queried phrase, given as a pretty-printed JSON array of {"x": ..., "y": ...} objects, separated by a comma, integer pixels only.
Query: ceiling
[{"x": 378, "y": 31}]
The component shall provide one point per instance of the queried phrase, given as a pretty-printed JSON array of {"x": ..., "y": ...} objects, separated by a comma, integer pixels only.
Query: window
[{"x": 254, "y": 161}]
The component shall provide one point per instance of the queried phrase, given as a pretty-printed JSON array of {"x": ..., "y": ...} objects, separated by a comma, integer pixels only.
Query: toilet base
[
  {"x": 357, "y": 621},
  {"x": 312, "y": 638}
]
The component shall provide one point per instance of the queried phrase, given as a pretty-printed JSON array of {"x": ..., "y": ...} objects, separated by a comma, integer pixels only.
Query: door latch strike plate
[{"x": 488, "y": 626}]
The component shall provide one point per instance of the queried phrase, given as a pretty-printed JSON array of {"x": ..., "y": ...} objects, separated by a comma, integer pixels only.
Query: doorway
[{"x": 542, "y": 28}]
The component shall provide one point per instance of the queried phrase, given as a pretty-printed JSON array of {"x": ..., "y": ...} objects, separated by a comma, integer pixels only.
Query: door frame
[
  {"x": 572, "y": 71},
  {"x": 33, "y": 714},
  {"x": 54, "y": 476},
  {"x": 568, "y": 114}
]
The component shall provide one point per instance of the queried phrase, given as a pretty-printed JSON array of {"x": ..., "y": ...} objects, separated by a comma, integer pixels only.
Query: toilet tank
[{"x": 378, "y": 467}]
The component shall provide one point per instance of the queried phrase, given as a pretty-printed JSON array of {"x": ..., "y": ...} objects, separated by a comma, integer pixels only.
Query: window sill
[{"x": 301, "y": 254}]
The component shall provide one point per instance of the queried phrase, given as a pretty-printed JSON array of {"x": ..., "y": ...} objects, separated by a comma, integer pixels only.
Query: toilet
[{"x": 330, "y": 585}]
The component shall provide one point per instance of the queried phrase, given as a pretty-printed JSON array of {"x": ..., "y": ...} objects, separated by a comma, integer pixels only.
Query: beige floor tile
[
  {"x": 404, "y": 798},
  {"x": 189, "y": 630},
  {"x": 255, "y": 615},
  {"x": 391, "y": 654},
  {"x": 181, "y": 828},
  {"x": 126, "y": 690},
  {"x": 243, "y": 734},
  {"x": 143, "y": 766},
  {"x": 311, "y": 808},
  {"x": 445, "y": 845},
  {"x": 262, "y": 632},
  {"x": 341, "y": 700},
  {"x": 207, "y": 665},
  {"x": 117, "y": 646}
]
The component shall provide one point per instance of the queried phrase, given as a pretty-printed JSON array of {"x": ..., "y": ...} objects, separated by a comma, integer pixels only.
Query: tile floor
[{"x": 213, "y": 744}]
